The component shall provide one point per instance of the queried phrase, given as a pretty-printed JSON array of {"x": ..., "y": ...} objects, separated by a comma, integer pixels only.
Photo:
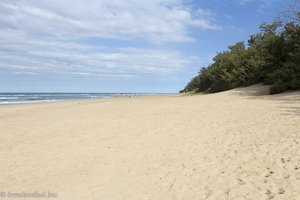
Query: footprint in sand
[
  {"x": 241, "y": 182},
  {"x": 208, "y": 192},
  {"x": 269, "y": 194},
  {"x": 281, "y": 191}
]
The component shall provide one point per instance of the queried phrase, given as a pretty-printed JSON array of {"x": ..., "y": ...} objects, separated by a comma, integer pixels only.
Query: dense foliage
[{"x": 271, "y": 57}]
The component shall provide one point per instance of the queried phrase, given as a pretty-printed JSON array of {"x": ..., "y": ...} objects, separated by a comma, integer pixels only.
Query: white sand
[{"x": 238, "y": 144}]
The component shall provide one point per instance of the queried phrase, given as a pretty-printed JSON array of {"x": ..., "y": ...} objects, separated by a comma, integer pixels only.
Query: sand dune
[{"x": 239, "y": 144}]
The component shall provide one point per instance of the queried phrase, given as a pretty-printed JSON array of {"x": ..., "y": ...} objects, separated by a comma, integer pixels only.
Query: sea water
[{"x": 21, "y": 98}]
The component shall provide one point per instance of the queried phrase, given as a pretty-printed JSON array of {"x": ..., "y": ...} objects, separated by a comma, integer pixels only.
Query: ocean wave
[
  {"x": 26, "y": 102},
  {"x": 8, "y": 98},
  {"x": 24, "y": 98}
]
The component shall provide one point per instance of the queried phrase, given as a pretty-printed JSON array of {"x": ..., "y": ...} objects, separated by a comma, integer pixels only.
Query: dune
[{"x": 238, "y": 144}]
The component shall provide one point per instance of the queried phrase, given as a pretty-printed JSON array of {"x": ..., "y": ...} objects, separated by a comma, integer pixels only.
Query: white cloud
[
  {"x": 40, "y": 36},
  {"x": 242, "y": 2},
  {"x": 158, "y": 21},
  {"x": 263, "y": 2},
  {"x": 22, "y": 55}
]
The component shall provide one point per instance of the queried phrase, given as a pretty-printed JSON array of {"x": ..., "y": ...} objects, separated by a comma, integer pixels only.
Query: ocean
[{"x": 22, "y": 98}]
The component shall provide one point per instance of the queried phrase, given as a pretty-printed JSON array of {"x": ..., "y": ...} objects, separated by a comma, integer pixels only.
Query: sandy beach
[{"x": 239, "y": 144}]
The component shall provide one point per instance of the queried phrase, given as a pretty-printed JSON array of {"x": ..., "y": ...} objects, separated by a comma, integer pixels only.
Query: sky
[{"x": 152, "y": 46}]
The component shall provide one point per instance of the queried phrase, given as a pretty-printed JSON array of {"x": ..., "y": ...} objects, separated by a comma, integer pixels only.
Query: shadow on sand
[{"x": 291, "y": 98}]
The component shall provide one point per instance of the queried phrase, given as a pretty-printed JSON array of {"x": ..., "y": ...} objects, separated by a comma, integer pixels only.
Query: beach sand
[{"x": 239, "y": 144}]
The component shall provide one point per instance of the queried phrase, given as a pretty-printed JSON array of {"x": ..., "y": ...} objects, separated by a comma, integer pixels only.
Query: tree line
[{"x": 271, "y": 56}]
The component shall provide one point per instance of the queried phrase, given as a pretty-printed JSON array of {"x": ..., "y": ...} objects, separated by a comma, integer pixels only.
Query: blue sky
[{"x": 119, "y": 46}]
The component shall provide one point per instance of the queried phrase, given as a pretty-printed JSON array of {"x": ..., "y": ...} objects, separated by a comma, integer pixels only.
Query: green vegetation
[{"x": 271, "y": 57}]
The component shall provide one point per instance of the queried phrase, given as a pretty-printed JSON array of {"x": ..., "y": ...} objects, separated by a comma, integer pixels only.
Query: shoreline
[{"x": 133, "y": 95}]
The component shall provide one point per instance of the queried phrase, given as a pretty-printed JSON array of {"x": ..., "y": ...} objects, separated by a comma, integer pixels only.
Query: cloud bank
[{"x": 40, "y": 37}]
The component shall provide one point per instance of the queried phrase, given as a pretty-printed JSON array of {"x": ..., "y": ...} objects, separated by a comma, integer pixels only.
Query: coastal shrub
[{"x": 278, "y": 87}]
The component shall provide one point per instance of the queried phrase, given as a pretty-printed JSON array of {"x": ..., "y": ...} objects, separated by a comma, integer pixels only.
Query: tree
[{"x": 272, "y": 57}]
